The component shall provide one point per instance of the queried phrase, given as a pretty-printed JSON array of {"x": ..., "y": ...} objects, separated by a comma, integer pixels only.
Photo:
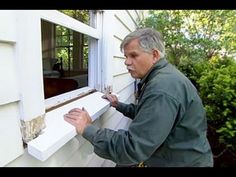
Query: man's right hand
[{"x": 112, "y": 98}]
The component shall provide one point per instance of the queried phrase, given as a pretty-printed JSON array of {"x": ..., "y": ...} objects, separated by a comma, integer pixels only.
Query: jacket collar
[{"x": 160, "y": 64}]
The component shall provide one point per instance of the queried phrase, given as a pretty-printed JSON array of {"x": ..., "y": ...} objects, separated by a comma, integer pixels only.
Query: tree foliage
[
  {"x": 195, "y": 34},
  {"x": 81, "y": 15}
]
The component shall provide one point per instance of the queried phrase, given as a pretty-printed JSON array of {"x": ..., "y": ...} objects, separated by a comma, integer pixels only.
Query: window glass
[{"x": 65, "y": 59}]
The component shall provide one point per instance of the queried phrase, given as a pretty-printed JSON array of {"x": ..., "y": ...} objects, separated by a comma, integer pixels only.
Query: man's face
[{"x": 138, "y": 61}]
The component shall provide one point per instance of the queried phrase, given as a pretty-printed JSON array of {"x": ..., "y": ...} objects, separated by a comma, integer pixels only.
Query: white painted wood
[
  {"x": 127, "y": 94},
  {"x": 29, "y": 63},
  {"x": 53, "y": 101},
  {"x": 108, "y": 115},
  {"x": 56, "y": 160},
  {"x": 134, "y": 16},
  {"x": 108, "y": 163},
  {"x": 69, "y": 22},
  {"x": 119, "y": 66},
  {"x": 81, "y": 157},
  {"x": 95, "y": 161},
  {"x": 117, "y": 52},
  {"x": 95, "y": 53},
  {"x": 9, "y": 90},
  {"x": 58, "y": 131},
  {"x": 122, "y": 81},
  {"x": 84, "y": 153},
  {"x": 8, "y": 26},
  {"x": 124, "y": 123},
  {"x": 120, "y": 30},
  {"x": 10, "y": 135},
  {"x": 107, "y": 48},
  {"x": 125, "y": 19}
]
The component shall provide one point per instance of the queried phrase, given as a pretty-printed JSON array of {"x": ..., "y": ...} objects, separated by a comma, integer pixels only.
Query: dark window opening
[{"x": 65, "y": 59}]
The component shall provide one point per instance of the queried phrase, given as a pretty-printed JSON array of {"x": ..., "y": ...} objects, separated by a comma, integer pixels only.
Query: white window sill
[{"x": 58, "y": 132}]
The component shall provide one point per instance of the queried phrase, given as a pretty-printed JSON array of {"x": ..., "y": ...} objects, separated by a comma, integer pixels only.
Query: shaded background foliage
[{"x": 201, "y": 43}]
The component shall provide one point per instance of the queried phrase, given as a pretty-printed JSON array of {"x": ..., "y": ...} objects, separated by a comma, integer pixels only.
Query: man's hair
[{"x": 148, "y": 38}]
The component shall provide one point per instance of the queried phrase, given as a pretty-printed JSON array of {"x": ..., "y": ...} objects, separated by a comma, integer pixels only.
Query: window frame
[
  {"x": 57, "y": 130},
  {"x": 94, "y": 66}
]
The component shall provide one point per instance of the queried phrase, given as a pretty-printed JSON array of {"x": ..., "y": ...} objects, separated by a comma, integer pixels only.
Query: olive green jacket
[{"x": 168, "y": 128}]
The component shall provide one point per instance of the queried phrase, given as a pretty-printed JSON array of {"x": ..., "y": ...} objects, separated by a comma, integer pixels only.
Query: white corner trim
[{"x": 58, "y": 132}]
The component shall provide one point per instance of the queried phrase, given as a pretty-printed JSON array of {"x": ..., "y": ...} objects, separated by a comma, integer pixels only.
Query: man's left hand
[{"x": 78, "y": 118}]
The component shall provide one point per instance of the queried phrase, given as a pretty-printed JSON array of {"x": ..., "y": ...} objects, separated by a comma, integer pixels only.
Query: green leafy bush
[{"x": 218, "y": 92}]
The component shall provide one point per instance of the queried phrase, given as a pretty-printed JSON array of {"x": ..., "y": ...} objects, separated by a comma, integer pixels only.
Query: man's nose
[{"x": 127, "y": 61}]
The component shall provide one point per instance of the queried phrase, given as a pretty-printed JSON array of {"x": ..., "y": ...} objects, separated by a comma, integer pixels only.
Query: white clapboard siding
[
  {"x": 122, "y": 81},
  {"x": 112, "y": 121},
  {"x": 108, "y": 163},
  {"x": 58, "y": 132},
  {"x": 81, "y": 156},
  {"x": 117, "y": 52},
  {"x": 127, "y": 94},
  {"x": 119, "y": 66},
  {"x": 8, "y": 78},
  {"x": 124, "y": 123},
  {"x": 8, "y": 26},
  {"x": 56, "y": 160},
  {"x": 10, "y": 135},
  {"x": 125, "y": 97},
  {"x": 120, "y": 30},
  {"x": 124, "y": 16},
  {"x": 134, "y": 15}
]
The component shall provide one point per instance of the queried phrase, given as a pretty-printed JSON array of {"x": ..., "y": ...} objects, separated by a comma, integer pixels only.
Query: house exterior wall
[{"x": 15, "y": 106}]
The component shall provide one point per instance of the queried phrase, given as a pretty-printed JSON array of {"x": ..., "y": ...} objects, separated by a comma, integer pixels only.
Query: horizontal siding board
[
  {"x": 108, "y": 163},
  {"x": 120, "y": 30},
  {"x": 10, "y": 134},
  {"x": 133, "y": 16},
  {"x": 125, "y": 18},
  {"x": 119, "y": 66},
  {"x": 107, "y": 117},
  {"x": 124, "y": 123},
  {"x": 113, "y": 121},
  {"x": 9, "y": 89},
  {"x": 81, "y": 157},
  {"x": 96, "y": 161},
  {"x": 56, "y": 160},
  {"x": 117, "y": 52},
  {"x": 8, "y": 26},
  {"x": 121, "y": 81}
]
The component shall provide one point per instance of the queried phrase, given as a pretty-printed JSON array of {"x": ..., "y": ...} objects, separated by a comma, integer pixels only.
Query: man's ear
[{"x": 156, "y": 55}]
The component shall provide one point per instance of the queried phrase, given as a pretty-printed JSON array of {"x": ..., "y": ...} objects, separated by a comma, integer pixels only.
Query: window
[
  {"x": 70, "y": 60},
  {"x": 65, "y": 59},
  {"x": 69, "y": 51}
]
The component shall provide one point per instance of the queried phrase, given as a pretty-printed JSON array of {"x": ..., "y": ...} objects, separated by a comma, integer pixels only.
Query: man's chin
[{"x": 133, "y": 76}]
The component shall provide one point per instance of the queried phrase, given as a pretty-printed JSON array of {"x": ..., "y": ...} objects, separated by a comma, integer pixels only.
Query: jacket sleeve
[
  {"x": 148, "y": 130},
  {"x": 127, "y": 109}
]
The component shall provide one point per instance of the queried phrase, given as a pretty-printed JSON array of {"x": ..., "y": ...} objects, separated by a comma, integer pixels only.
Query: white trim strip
[
  {"x": 58, "y": 132},
  {"x": 59, "y": 18}
]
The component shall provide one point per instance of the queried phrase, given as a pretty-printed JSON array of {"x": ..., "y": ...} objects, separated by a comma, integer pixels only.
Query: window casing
[
  {"x": 57, "y": 130},
  {"x": 74, "y": 54}
]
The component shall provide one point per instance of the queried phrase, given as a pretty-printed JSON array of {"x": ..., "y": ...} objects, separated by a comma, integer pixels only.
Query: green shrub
[
  {"x": 194, "y": 69},
  {"x": 218, "y": 92}
]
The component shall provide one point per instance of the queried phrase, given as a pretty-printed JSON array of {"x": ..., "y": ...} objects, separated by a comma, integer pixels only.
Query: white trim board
[{"x": 58, "y": 132}]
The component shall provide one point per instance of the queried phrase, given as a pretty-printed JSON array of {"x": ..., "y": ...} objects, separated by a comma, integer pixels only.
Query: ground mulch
[{"x": 222, "y": 156}]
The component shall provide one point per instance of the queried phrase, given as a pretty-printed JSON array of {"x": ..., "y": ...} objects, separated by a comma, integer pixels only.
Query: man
[{"x": 169, "y": 124}]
